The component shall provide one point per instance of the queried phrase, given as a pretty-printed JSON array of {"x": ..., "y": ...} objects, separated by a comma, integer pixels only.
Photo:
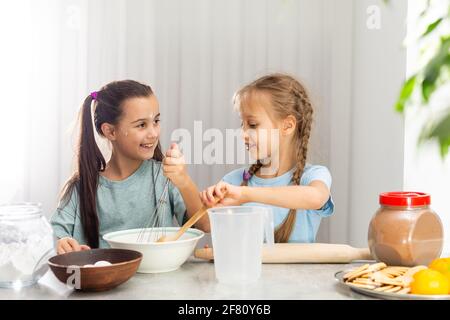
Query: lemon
[
  {"x": 442, "y": 265},
  {"x": 429, "y": 281}
]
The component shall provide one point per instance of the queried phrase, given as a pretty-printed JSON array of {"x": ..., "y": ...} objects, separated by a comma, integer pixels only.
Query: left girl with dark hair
[{"x": 103, "y": 197}]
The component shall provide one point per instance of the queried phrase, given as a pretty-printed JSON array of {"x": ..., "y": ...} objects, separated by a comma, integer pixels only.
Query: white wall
[
  {"x": 353, "y": 74},
  {"x": 373, "y": 155},
  {"x": 195, "y": 54}
]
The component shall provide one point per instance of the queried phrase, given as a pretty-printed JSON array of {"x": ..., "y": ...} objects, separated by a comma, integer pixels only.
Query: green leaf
[
  {"x": 441, "y": 132},
  {"x": 429, "y": 86},
  {"x": 444, "y": 145},
  {"x": 442, "y": 128},
  {"x": 431, "y": 27},
  {"x": 433, "y": 69},
  {"x": 405, "y": 94}
]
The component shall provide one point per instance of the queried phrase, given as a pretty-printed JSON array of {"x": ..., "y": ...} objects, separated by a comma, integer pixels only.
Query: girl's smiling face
[
  {"x": 260, "y": 130},
  {"x": 136, "y": 134}
]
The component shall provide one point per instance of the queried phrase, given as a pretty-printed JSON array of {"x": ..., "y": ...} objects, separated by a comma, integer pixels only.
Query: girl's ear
[
  {"x": 108, "y": 131},
  {"x": 289, "y": 125}
]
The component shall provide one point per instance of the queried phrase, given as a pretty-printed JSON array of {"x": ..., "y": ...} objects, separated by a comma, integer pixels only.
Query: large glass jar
[
  {"x": 26, "y": 242},
  {"x": 405, "y": 231}
]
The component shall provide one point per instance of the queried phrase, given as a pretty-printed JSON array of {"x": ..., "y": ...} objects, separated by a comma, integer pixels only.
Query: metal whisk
[{"x": 154, "y": 229}]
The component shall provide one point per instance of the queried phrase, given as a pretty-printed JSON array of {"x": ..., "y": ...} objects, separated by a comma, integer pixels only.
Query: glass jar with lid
[
  {"x": 26, "y": 242},
  {"x": 405, "y": 231}
]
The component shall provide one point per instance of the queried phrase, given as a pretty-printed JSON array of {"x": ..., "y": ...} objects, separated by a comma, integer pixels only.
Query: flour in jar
[{"x": 20, "y": 252}]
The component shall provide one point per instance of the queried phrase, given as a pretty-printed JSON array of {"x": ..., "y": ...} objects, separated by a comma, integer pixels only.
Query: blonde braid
[
  {"x": 284, "y": 231},
  {"x": 251, "y": 171}
]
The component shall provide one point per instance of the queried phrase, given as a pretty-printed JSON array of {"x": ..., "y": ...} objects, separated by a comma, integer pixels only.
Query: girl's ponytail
[{"x": 90, "y": 163}]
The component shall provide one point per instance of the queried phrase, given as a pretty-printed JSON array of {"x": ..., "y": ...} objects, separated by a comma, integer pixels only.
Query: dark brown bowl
[{"x": 68, "y": 268}]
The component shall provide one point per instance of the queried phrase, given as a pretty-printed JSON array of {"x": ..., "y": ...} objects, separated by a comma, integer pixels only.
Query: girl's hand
[
  {"x": 228, "y": 194},
  {"x": 174, "y": 166},
  {"x": 65, "y": 245}
]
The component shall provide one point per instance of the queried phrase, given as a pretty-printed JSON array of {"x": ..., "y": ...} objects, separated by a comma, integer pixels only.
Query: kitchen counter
[{"x": 196, "y": 280}]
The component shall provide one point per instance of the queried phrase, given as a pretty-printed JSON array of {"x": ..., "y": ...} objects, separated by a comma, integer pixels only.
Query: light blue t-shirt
[
  {"x": 308, "y": 221},
  {"x": 125, "y": 204}
]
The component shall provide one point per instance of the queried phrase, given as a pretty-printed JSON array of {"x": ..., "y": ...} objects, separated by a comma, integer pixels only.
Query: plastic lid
[{"x": 405, "y": 199}]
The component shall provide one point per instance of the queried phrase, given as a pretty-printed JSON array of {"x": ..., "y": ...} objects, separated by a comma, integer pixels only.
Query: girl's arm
[
  {"x": 312, "y": 196},
  {"x": 62, "y": 222},
  {"x": 193, "y": 203},
  {"x": 174, "y": 168}
]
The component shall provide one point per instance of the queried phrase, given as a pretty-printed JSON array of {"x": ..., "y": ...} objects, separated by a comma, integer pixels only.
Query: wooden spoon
[{"x": 200, "y": 213}]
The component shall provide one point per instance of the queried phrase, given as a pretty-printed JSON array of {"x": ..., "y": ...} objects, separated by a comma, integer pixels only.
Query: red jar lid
[{"x": 405, "y": 199}]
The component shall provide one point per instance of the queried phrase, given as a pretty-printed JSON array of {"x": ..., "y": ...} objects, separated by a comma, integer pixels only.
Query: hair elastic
[
  {"x": 246, "y": 175},
  {"x": 94, "y": 95}
]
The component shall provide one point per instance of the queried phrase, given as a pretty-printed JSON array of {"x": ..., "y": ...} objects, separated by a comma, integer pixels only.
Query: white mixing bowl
[{"x": 157, "y": 256}]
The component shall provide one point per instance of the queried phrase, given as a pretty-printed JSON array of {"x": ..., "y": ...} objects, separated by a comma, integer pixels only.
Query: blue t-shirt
[{"x": 308, "y": 221}]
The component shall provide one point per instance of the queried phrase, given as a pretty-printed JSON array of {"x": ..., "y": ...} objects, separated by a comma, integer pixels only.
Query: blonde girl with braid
[{"x": 298, "y": 192}]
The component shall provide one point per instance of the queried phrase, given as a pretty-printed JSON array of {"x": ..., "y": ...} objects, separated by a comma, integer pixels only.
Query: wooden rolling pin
[{"x": 303, "y": 253}]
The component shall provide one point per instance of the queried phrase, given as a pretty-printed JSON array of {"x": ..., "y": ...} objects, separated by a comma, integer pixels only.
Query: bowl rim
[
  {"x": 52, "y": 264},
  {"x": 199, "y": 234}
]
